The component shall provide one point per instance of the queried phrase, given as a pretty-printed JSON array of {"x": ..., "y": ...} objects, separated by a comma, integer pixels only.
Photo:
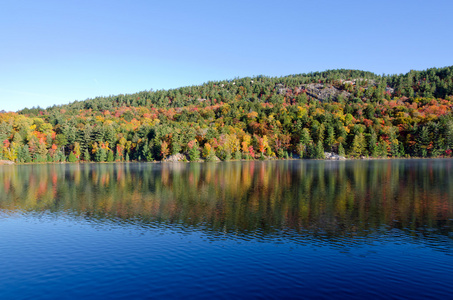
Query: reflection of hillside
[{"x": 326, "y": 198}]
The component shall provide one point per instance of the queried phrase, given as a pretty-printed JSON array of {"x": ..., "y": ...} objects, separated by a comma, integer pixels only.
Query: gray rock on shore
[
  {"x": 333, "y": 156},
  {"x": 175, "y": 158}
]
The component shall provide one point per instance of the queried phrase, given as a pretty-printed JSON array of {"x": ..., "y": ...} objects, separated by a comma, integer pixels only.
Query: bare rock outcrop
[
  {"x": 324, "y": 92},
  {"x": 333, "y": 156},
  {"x": 175, "y": 158}
]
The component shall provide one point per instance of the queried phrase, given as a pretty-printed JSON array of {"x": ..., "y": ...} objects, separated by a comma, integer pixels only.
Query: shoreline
[{"x": 9, "y": 163}]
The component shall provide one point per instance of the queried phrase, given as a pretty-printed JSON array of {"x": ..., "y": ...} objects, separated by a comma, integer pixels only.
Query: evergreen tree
[
  {"x": 448, "y": 134},
  {"x": 86, "y": 155},
  {"x": 110, "y": 157},
  {"x": 305, "y": 140},
  {"x": 372, "y": 144},
  {"x": 383, "y": 150},
  {"x": 341, "y": 150},
  {"x": 228, "y": 155},
  {"x": 319, "y": 151},
  {"x": 237, "y": 155},
  {"x": 72, "y": 158},
  {"x": 330, "y": 138},
  {"x": 100, "y": 155},
  {"x": 194, "y": 153},
  {"x": 117, "y": 157},
  {"x": 423, "y": 141},
  {"x": 23, "y": 155},
  {"x": 358, "y": 145},
  {"x": 401, "y": 151}
]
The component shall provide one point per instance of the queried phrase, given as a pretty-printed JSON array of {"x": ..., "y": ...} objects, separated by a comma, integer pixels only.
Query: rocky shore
[{"x": 333, "y": 156}]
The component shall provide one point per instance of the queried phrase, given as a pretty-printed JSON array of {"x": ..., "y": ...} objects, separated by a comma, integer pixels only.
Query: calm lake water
[{"x": 278, "y": 229}]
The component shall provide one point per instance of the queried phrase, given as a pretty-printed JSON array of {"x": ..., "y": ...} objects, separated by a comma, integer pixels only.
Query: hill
[{"x": 349, "y": 112}]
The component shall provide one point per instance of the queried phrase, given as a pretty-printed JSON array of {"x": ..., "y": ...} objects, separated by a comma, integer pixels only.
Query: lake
[{"x": 375, "y": 229}]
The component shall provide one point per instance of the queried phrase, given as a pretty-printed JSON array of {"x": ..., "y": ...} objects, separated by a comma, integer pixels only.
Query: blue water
[{"x": 65, "y": 254}]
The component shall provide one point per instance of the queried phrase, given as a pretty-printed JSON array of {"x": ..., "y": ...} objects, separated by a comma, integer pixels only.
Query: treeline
[{"x": 352, "y": 113}]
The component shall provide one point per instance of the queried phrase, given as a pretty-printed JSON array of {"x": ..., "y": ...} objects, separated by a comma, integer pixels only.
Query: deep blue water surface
[{"x": 282, "y": 229}]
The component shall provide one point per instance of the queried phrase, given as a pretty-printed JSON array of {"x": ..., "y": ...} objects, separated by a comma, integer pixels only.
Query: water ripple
[{"x": 252, "y": 230}]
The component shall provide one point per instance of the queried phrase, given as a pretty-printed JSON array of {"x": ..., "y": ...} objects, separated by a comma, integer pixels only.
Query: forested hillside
[{"x": 353, "y": 113}]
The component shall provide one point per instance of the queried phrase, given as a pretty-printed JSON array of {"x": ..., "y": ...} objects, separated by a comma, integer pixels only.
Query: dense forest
[{"x": 349, "y": 112}]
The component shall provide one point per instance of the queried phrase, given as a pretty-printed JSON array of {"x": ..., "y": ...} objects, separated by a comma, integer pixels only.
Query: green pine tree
[
  {"x": 72, "y": 158},
  {"x": 86, "y": 155},
  {"x": 358, "y": 145},
  {"x": 110, "y": 157},
  {"x": 194, "y": 153},
  {"x": 319, "y": 151},
  {"x": 341, "y": 150},
  {"x": 237, "y": 155}
]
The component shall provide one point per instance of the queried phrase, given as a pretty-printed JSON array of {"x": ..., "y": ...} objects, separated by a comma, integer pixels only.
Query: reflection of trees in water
[{"x": 337, "y": 198}]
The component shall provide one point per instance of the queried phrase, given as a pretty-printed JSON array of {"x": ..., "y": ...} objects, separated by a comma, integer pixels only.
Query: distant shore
[{"x": 8, "y": 162}]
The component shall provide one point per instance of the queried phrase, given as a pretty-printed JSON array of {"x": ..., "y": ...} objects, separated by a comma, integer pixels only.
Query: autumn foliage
[{"x": 302, "y": 115}]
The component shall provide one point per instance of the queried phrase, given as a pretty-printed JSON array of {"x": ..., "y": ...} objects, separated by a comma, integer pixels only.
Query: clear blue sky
[{"x": 55, "y": 52}]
